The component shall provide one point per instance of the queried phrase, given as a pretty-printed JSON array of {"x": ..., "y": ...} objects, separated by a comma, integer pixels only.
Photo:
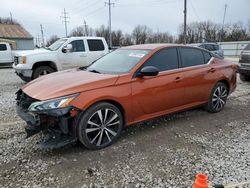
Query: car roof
[
  {"x": 151, "y": 46},
  {"x": 209, "y": 43},
  {"x": 83, "y": 37}
]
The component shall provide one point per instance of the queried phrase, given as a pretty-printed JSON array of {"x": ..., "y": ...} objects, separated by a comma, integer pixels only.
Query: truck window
[
  {"x": 95, "y": 45},
  {"x": 247, "y": 47},
  {"x": 77, "y": 46},
  {"x": 3, "y": 47}
]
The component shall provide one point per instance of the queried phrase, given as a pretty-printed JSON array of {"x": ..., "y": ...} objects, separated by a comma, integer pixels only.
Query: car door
[
  {"x": 96, "y": 49},
  {"x": 5, "y": 54},
  {"x": 162, "y": 92},
  {"x": 199, "y": 74},
  {"x": 77, "y": 57}
]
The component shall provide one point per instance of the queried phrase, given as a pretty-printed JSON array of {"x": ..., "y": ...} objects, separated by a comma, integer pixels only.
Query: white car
[
  {"x": 6, "y": 57},
  {"x": 64, "y": 54}
]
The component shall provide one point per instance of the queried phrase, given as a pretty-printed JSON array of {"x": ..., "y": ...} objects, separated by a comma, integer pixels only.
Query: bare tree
[
  {"x": 77, "y": 32},
  {"x": 117, "y": 38},
  {"x": 81, "y": 31},
  {"x": 160, "y": 37},
  {"x": 237, "y": 32},
  {"x": 141, "y": 33},
  {"x": 127, "y": 40},
  {"x": 8, "y": 21},
  {"x": 102, "y": 31},
  {"x": 51, "y": 40}
]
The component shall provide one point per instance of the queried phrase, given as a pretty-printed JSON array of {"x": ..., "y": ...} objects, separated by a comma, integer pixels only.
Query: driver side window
[{"x": 77, "y": 46}]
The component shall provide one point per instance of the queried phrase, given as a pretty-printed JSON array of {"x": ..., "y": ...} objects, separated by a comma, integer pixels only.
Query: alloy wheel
[
  {"x": 102, "y": 127},
  {"x": 219, "y": 97}
]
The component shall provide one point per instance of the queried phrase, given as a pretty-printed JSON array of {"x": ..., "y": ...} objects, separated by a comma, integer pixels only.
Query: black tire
[
  {"x": 95, "y": 133},
  {"x": 218, "y": 98},
  {"x": 41, "y": 71}
]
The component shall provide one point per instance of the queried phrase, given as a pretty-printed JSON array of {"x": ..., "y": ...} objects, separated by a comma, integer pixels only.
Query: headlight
[
  {"x": 52, "y": 104},
  {"x": 23, "y": 59}
]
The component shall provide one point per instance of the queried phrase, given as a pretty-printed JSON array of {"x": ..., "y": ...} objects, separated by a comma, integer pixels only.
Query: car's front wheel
[
  {"x": 218, "y": 97},
  {"x": 100, "y": 126}
]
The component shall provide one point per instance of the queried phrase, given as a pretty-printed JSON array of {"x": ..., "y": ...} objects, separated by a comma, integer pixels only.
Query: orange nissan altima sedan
[{"x": 129, "y": 85}]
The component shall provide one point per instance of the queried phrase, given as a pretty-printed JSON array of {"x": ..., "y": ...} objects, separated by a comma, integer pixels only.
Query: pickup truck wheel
[
  {"x": 100, "y": 126},
  {"x": 218, "y": 98},
  {"x": 41, "y": 71}
]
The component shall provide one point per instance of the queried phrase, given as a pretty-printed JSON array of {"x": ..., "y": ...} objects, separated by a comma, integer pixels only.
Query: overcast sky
[{"x": 165, "y": 15}]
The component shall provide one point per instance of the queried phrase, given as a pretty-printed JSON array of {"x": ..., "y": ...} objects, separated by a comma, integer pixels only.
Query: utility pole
[
  {"x": 11, "y": 17},
  {"x": 185, "y": 22},
  {"x": 110, "y": 31},
  {"x": 65, "y": 21},
  {"x": 43, "y": 44},
  {"x": 38, "y": 39},
  {"x": 85, "y": 28},
  {"x": 222, "y": 27}
]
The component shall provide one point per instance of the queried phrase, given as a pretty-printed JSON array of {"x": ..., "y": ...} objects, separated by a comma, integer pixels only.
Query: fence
[{"x": 233, "y": 49}]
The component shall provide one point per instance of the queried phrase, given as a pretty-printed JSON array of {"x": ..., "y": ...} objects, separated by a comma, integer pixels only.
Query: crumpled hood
[
  {"x": 31, "y": 52},
  {"x": 67, "y": 82}
]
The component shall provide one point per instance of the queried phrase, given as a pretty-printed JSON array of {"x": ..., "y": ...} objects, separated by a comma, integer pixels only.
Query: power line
[
  {"x": 65, "y": 20},
  {"x": 110, "y": 34},
  {"x": 194, "y": 10},
  {"x": 85, "y": 7},
  {"x": 152, "y": 3},
  {"x": 94, "y": 11}
]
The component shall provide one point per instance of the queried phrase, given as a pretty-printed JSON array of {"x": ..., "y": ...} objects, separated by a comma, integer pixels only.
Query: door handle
[
  {"x": 212, "y": 70},
  {"x": 177, "y": 79},
  {"x": 83, "y": 55}
]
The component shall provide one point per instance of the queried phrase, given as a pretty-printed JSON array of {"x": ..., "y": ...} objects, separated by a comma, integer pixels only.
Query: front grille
[
  {"x": 245, "y": 57},
  {"x": 16, "y": 60},
  {"x": 23, "y": 100}
]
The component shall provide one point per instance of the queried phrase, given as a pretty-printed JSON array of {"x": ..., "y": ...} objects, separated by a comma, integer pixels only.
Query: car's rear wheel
[
  {"x": 100, "y": 126},
  {"x": 218, "y": 98},
  {"x": 41, "y": 71}
]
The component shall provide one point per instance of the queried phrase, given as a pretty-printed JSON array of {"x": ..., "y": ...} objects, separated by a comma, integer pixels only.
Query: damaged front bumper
[{"x": 57, "y": 125}]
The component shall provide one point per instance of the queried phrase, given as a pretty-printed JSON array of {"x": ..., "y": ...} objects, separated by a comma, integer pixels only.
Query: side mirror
[
  {"x": 67, "y": 48},
  {"x": 148, "y": 71}
]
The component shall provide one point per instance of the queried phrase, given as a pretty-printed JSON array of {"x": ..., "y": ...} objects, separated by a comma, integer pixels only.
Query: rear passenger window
[
  {"x": 191, "y": 57},
  {"x": 207, "y": 56},
  {"x": 77, "y": 46},
  {"x": 165, "y": 59},
  {"x": 3, "y": 47},
  {"x": 95, "y": 45}
]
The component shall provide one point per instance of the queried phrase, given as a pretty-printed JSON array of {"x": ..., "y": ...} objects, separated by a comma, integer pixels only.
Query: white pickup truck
[
  {"x": 64, "y": 54},
  {"x": 6, "y": 56}
]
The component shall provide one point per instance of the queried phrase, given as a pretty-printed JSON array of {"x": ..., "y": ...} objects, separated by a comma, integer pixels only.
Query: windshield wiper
[{"x": 95, "y": 71}]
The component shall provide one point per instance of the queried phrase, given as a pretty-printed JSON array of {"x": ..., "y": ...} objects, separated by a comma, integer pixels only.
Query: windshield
[
  {"x": 118, "y": 62},
  {"x": 57, "y": 44}
]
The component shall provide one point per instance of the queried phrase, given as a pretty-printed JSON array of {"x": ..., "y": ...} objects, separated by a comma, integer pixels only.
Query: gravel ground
[{"x": 166, "y": 152}]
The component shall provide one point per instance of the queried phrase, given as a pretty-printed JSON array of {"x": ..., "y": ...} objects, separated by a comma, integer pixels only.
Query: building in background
[{"x": 17, "y": 36}]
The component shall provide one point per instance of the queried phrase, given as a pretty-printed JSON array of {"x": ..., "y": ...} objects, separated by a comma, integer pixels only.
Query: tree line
[{"x": 197, "y": 32}]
